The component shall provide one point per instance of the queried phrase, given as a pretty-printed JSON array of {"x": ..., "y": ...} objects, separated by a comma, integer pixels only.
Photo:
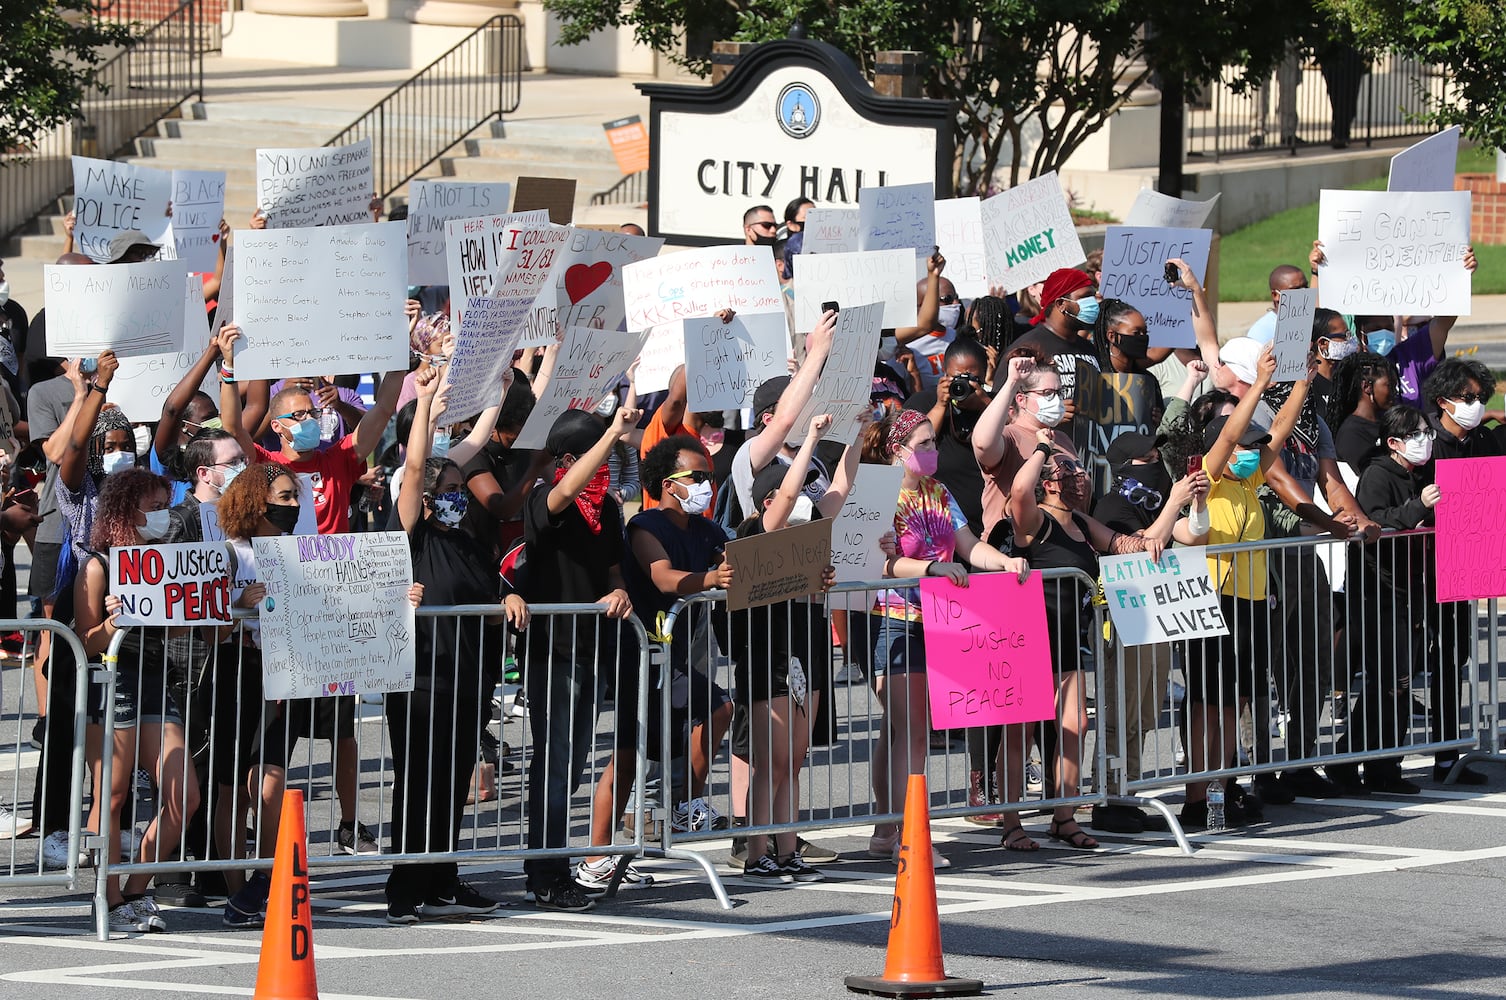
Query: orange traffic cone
[
  {"x": 913, "y": 967},
  {"x": 286, "y": 971}
]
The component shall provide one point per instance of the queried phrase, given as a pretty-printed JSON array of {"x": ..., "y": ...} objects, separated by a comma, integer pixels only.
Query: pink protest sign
[
  {"x": 988, "y": 656},
  {"x": 1471, "y": 542}
]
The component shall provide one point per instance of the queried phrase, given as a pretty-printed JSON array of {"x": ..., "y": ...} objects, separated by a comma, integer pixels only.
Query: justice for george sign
[
  {"x": 1471, "y": 534},
  {"x": 1395, "y": 253},
  {"x": 319, "y": 186},
  {"x": 187, "y": 583},
  {"x": 1134, "y": 269},
  {"x": 980, "y": 670},
  {"x": 1153, "y": 601}
]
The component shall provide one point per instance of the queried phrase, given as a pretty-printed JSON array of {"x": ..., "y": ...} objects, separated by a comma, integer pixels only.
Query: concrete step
[
  {"x": 590, "y": 179},
  {"x": 531, "y": 151},
  {"x": 309, "y": 116},
  {"x": 241, "y": 133}
]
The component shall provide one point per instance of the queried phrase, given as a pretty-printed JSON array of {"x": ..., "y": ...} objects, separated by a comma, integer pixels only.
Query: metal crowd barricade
[
  {"x": 865, "y": 737},
  {"x": 1350, "y": 665},
  {"x": 41, "y": 787},
  {"x": 328, "y": 747}
]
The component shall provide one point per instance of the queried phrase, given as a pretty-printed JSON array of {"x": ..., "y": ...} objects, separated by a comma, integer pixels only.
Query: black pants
[
  {"x": 49, "y": 798},
  {"x": 1452, "y": 641},
  {"x": 561, "y": 687},
  {"x": 1390, "y": 643},
  {"x": 1302, "y": 653},
  {"x": 436, "y": 740}
]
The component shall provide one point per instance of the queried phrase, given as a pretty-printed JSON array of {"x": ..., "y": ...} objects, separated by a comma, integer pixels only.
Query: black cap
[
  {"x": 766, "y": 396},
  {"x": 1253, "y": 437},
  {"x": 767, "y": 482},
  {"x": 1127, "y": 447},
  {"x": 574, "y": 432}
]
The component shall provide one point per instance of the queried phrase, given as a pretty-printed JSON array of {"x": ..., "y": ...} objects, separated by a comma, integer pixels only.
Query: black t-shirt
[
  {"x": 695, "y": 548},
  {"x": 1053, "y": 348},
  {"x": 1357, "y": 442},
  {"x": 1067, "y": 600},
  {"x": 567, "y": 563},
  {"x": 453, "y": 571},
  {"x": 1118, "y": 511},
  {"x": 506, "y": 466},
  {"x": 956, "y": 465}
]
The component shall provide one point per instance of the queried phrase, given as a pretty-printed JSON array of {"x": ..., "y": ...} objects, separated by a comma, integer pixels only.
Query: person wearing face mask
[
  {"x": 1029, "y": 399},
  {"x": 99, "y": 444},
  {"x": 759, "y": 227},
  {"x": 623, "y": 465},
  {"x": 954, "y": 408},
  {"x": 1069, "y": 308},
  {"x": 938, "y": 316},
  {"x": 145, "y": 724},
  {"x": 13, "y": 328}
]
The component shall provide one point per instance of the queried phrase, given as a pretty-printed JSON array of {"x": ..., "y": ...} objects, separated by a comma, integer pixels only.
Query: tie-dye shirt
[{"x": 925, "y": 527}]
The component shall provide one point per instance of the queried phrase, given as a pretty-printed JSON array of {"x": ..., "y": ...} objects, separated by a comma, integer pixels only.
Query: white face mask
[
  {"x": 1339, "y": 349},
  {"x": 802, "y": 511},
  {"x": 143, "y": 438},
  {"x": 157, "y": 522},
  {"x": 1050, "y": 411},
  {"x": 697, "y": 498},
  {"x": 117, "y": 460},
  {"x": 950, "y": 316},
  {"x": 4, "y": 292},
  {"x": 1467, "y": 415},
  {"x": 1417, "y": 449}
]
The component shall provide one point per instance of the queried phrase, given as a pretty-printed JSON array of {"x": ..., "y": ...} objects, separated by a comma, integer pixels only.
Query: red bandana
[{"x": 590, "y": 499}]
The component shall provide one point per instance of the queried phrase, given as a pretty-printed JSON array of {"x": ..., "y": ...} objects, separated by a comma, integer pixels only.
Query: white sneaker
[
  {"x": 11, "y": 825},
  {"x": 149, "y": 914},
  {"x": 55, "y": 852},
  {"x": 596, "y": 876},
  {"x": 696, "y": 815},
  {"x": 126, "y": 920}
]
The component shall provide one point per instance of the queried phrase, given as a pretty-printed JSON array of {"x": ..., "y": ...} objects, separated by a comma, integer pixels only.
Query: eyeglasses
[
  {"x": 1472, "y": 397},
  {"x": 1141, "y": 495},
  {"x": 312, "y": 413},
  {"x": 1045, "y": 393},
  {"x": 947, "y": 300},
  {"x": 693, "y": 475},
  {"x": 1420, "y": 435}
]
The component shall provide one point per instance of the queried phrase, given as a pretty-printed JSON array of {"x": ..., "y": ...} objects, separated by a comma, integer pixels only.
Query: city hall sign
[{"x": 793, "y": 119}]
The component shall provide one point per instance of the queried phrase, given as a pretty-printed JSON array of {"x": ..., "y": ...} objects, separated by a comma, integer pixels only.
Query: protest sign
[
  {"x": 198, "y": 207},
  {"x": 1124, "y": 403},
  {"x": 336, "y": 619},
  {"x": 224, "y": 303},
  {"x": 555, "y": 195},
  {"x": 959, "y": 234},
  {"x": 1152, "y": 601},
  {"x": 1394, "y": 253},
  {"x": 1134, "y": 269},
  {"x": 846, "y": 381},
  {"x": 142, "y": 384},
  {"x": 585, "y": 284},
  {"x": 431, "y": 206},
  {"x": 981, "y": 671},
  {"x": 132, "y": 309},
  {"x": 1028, "y": 233},
  {"x": 325, "y": 301},
  {"x": 209, "y": 521},
  {"x": 111, "y": 197},
  {"x": 1155, "y": 210},
  {"x": 778, "y": 565},
  {"x": 1294, "y": 333},
  {"x": 695, "y": 283},
  {"x": 663, "y": 352},
  {"x": 1428, "y": 166},
  {"x": 899, "y": 217},
  {"x": 726, "y": 362},
  {"x": 475, "y": 248},
  {"x": 185, "y": 583},
  {"x": 629, "y": 140},
  {"x": 317, "y": 186},
  {"x": 1471, "y": 534},
  {"x": 886, "y": 276},
  {"x": 830, "y": 230},
  {"x": 587, "y": 363},
  {"x": 866, "y": 516}
]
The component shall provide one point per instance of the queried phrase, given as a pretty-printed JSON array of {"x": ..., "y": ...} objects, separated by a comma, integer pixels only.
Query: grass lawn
[{"x": 1247, "y": 256}]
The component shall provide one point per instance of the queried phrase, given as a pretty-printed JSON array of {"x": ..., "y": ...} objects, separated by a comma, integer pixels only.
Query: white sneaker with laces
[
  {"x": 126, "y": 920},
  {"x": 693, "y": 816},
  {"x": 11, "y": 825},
  {"x": 147, "y": 910},
  {"x": 596, "y": 876},
  {"x": 55, "y": 852}
]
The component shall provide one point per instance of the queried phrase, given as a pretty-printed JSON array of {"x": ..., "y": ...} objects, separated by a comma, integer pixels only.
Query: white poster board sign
[
  {"x": 846, "y": 381},
  {"x": 725, "y": 363},
  {"x": 696, "y": 283},
  {"x": 1162, "y": 211},
  {"x": 588, "y": 362},
  {"x": 184, "y": 583},
  {"x": 898, "y": 217},
  {"x": 830, "y": 230},
  {"x": 1134, "y": 269},
  {"x": 198, "y": 207},
  {"x": 336, "y": 619},
  {"x": 475, "y": 247},
  {"x": 1394, "y": 253},
  {"x": 132, "y": 309},
  {"x": 142, "y": 384},
  {"x": 111, "y": 197},
  {"x": 1028, "y": 233},
  {"x": 323, "y": 301},
  {"x": 585, "y": 286},
  {"x": 1294, "y": 333},
  {"x": 433, "y": 204},
  {"x": 959, "y": 233},
  {"x": 866, "y": 516},
  {"x": 1173, "y": 599},
  {"x": 317, "y": 186},
  {"x": 850, "y": 279},
  {"x": 1430, "y": 165},
  {"x": 663, "y": 352}
]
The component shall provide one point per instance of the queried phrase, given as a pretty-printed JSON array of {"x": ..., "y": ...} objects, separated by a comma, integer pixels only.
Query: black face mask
[
  {"x": 1134, "y": 346},
  {"x": 1153, "y": 475},
  {"x": 764, "y": 240},
  {"x": 283, "y": 518}
]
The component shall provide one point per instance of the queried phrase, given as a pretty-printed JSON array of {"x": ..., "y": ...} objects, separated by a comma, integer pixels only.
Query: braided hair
[
  {"x": 990, "y": 316},
  {"x": 1184, "y": 435},
  {"x": 1351, "y": 377},
  {"x": 110, "y": 419},
  {"x": 1110, "y": 311}
]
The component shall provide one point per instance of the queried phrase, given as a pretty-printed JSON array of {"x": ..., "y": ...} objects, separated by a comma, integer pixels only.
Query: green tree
[
  {"x": 50, "y": 55},
  {"x": 1031, "y": 80},
  {"x": 1467, "y": 38}
]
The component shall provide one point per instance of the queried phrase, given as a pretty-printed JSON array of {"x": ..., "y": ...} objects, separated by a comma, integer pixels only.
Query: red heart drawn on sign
[
  {"x": 332, "y": 686},
  {"x": 214, "y": 237},
  {"x": 583, "y": 279}
]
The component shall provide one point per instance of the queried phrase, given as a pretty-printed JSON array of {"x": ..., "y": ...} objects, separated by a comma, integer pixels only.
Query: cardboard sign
[
  {"x": 556, "y": 195},
  {"x": 198, "y": 207},
  {"x": 1428, "y": 166},
  {"x": 725, "y": 363},
  {"x": 988, "y": 652},
  {"x": 588, "y": 362},
  {"x": 959, "y": 233},
  {"x": 629, "y": 141},
  {"x": 1173, "y": 599},
  {"x": 475, "y": 248},
  {"x": 886, "y": 276},
  {"x": 132, "y": 309},
  {"x": 692, "y": 284},
  {"x": 585, "y": 284},
  {"x": 111, "y": 197},
  {"x": 186, "y": 583},
  {"x": 1471, "y": 536},
  {"x": 830, "y": 230},
  {"x": 846, "y": 381},
  {"x": 317, "y": 186},
  {"x": 1126, "y": 403},
  {"x": 1394, "y": 253},
  {"x": 1155, "y": 210},
  {"x": 431, "y": 206},
  {"x": 1028, "y": 233},
  {"x": 778, "y": 565},
  {"x": 142, "y": 384},
  {"x": 1294, "y": 333},
  {"x": 327, "y": 300},
  {"x": 1134, "y": 269},
  {"x": 336, "y": 619},
  {"x": 898, "y": 217},
  {"x": 866, "y": 516}
]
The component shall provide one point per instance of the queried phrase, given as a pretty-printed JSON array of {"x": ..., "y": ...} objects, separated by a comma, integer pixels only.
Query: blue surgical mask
[
  {"x": 1382, "y": 342},
  {"x": 1087, "y": 310},
  {"x": 441, "y": 443},
  {"x": 118, "y": 460},
  {"x": 306, "y": 436},
  {"x": 1244, "y": 463},
  {"x": 231, "y": 471}
]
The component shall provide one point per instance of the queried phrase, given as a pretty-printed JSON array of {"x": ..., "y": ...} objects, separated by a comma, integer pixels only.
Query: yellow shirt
[{"x": 1235, "y": 514}]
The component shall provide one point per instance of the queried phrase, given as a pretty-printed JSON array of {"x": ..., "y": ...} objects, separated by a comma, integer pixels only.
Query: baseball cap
[
  {"x": 1254, "y": 436},
  {"x": 766, "y": 396},
  {"x": 1127, "y": 447}
]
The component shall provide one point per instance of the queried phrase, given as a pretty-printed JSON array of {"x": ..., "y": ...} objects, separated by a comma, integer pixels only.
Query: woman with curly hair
[{"x": 146, "y": 725}]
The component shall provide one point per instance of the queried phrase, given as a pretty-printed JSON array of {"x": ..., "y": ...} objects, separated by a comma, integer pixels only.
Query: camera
[
  {"x": 88, "y": 365},
  {"x": 962, "y": 387}
]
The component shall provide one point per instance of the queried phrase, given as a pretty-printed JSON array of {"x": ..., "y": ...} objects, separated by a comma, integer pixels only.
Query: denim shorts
[
  {"x": 899, "y": 647},
  {"x": 141, "y": 698}
]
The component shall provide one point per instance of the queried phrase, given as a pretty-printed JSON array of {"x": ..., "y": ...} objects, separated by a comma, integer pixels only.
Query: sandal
[
  {"x": 1018, "y": 840},
  {"x": 1078, "y": 838}
]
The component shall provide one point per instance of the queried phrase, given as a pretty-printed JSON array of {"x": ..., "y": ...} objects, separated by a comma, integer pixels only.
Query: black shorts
[
  {"x": 319, "y": 718},
  {"x": 1225, "y": 669},
  {"x": 44, "y": 569},
  {"x": 141, "y": 697},
  {"x": 238, "y": 715}
]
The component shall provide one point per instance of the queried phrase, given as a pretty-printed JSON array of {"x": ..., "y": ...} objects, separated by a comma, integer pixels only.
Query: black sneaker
[
  {"x": 1194, "y": 816},
  {"x": 355, "y": 838},
  {"x": 1274, "y": 790},
  {"x": 1391, "y": 784},
  {"x": 564, "y": 896},
  {"x": 1309, "y": 784},
  {"x": 815, "y": 853},
  {"x": 461, "y": 901},
  {"x": 1117, "y": 819},
  {"x": 38, "y": 733},
  {"x": 183, "y": 894},
  {"x": 766, "y": 869},
  {"x": 796, "y": 867},
  {"x": 1465, "y": 777},
  {"x": 402, "y": 912},
  {"x": 1346, "y": 777}
]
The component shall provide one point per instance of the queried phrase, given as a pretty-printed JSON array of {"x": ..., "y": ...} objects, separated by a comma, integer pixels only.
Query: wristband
[
  {"x": 96, "y": 387},
  {"x": 1045, "y": 449},
  {"x": 928, "y": 568}
]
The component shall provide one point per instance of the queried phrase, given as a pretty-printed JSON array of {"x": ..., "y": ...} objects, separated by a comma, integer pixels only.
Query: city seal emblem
[{"x": 798, "y": 110}]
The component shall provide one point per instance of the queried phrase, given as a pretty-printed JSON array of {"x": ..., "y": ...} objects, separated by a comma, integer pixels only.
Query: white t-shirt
[
  {"x": 930, "y": 352},
  {"x": 743, "y": 474}
]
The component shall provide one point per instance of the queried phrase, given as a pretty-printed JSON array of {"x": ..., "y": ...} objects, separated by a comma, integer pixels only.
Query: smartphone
[
  {"x": 1172, "y": 274},
  {"x": 827, "y": 307},
  {"x": 1194, "y": 464},
  {"x": 88, "y": 365}
]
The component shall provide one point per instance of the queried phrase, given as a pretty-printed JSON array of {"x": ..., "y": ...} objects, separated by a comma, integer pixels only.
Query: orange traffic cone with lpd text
[
  {"x": 913, "y": 967},
  {"x": 286, "y": 970}
]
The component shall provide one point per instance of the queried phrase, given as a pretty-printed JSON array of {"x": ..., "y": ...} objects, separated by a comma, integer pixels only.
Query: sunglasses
[
  {"x": 1473, "y": 397},
  {"x": 947, "y": 300},
  {"x": 694, "y": 476},
  {"x": 765, "y": 225}
]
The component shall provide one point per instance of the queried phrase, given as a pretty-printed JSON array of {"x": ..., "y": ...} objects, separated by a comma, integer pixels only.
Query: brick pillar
[
  {"x": 724, "y": 55},
  {"x": 897, "y": 74},
  {"x": 310, "y": 8},
  {"x": 1487, "y": 217}
]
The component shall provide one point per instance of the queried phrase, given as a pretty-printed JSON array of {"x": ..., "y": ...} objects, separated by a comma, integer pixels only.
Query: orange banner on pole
[{"x": 629, "y": 139}]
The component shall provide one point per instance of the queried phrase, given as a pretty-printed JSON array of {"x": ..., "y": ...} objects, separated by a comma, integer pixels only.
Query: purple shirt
[{"x": 1414, "y": 358}]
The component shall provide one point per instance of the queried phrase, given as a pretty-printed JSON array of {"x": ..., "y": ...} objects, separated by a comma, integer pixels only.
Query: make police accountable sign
[{"x": 792, "y": 119}]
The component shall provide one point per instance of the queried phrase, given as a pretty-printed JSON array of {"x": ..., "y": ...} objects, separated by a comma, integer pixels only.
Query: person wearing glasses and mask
[
  {"x": 1030, "y": 399},
  {"x": 759, "y": 227}
]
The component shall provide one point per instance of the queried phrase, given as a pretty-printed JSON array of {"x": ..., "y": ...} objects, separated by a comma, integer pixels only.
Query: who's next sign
[{"x": 793, "y": 119}]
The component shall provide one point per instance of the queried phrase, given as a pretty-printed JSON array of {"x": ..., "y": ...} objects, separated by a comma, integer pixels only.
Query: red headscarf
[{"x": 1062, "y": 283}]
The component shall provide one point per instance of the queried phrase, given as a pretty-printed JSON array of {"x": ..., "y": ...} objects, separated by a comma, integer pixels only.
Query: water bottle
[
  {"x": 1215, "y": 806},
  {"x": 329, "y": 423}
]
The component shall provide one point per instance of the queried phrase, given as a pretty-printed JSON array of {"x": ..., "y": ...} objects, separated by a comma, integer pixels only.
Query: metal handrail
[
  {"x": 630, "y": 190},
  {"x": 475, "y": 81}
]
